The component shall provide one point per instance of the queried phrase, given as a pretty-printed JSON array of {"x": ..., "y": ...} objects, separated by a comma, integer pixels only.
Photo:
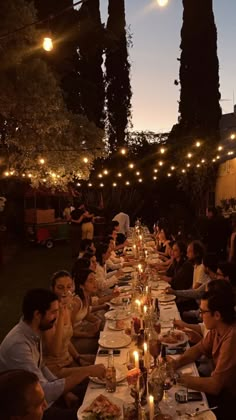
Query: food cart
[{"x": 43, "y": 217}]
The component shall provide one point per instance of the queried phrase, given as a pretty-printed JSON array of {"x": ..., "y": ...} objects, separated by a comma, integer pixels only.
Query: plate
[
  {"x": 116, "y": 315},
  {"x": 112, "y": 326},
  {"x": 166, "y": 298},
  {"x": 127, "y": 269},
  {"x": 114, "y": 341},
  {"x": 124, "y": 289},
  {"x": 170, "y": 338},
  {"x": 208, "y": 415},
  {"x": 81, "y": 415},
  {"x": 117, "y": 301},
  {"x": 121, "y": 372}
]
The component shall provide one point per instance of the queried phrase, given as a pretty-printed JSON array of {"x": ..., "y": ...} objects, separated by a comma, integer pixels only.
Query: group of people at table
[{"x": 47, "y": 358}]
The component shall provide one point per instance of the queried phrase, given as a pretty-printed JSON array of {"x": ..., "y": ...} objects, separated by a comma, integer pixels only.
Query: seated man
[
  {"x": 22, "y": 349},
  {"x": 217, "y": 311},
  {"x": 21, "y": 396}
]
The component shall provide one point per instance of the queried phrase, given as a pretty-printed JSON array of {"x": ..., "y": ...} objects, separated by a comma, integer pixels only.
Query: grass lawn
[{"x": 30, "y": 268}]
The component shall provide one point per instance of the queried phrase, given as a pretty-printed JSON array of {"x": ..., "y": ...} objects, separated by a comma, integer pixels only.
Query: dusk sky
[{"x": 156, "y": 39}]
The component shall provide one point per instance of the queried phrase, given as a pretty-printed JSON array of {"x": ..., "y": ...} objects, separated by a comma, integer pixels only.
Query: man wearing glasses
[{"x": 218, "y": 314}]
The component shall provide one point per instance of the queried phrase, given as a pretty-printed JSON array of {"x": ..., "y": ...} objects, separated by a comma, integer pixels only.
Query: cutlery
[{"x": 197, "y": 412}]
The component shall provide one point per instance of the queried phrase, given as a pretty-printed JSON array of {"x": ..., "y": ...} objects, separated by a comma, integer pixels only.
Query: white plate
[
  {"x": 127, "y": 269},
  {"x": 116, "y": 315},
  {"x": 208, "y": 415},
  {"x": 178, "y": 342},
  {"x": 125, "y": 289},
  {"x": 166, "y": 298},
  {"x": 117, "y": 401},
  {"x": 112, "y": 326},
  {"x": 114, "y": 341},
  {"x": 121, "y": 372}
]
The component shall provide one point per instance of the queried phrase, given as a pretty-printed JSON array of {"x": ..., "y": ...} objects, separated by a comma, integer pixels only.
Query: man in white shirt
[{"x": 124, "y": 222}]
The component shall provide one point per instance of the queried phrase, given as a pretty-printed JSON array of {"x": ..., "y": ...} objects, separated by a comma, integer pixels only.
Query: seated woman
[
  {"x": 105, "y": 280},
  {"x": 84, "y": 333},
  {"x": 163, "y": 238},
  {"x": 60, "y": 355},
  {"x": 180, "y": 273}
]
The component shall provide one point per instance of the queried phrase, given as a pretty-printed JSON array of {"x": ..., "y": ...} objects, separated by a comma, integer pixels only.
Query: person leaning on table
[
  {"x": 218, "y": 314},
  {"x": 22, "y": 349}
]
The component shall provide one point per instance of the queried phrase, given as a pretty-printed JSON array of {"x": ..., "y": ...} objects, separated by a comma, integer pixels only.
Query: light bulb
[{"x": 47, "y": 44}]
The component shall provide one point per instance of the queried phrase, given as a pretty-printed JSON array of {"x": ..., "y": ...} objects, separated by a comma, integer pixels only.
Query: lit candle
[
  {"x": 136, "y": 359},
  {"x": 140, "y": 268},
  {"x": 145, "y": 348},
  {"x": 146, "y": 253},
  {"x": 151, "y": 407},
  {"x": 145, "y": 309},
  {"x": 138, "y": 303}
]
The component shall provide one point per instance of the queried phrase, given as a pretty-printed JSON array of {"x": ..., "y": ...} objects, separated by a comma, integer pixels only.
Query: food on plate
[
  {"x": 120, "y": 324},
  {"x": 132, "y": 376},
  {"x": 172, "y": 337},
  {"x": 102, "y": 408}
]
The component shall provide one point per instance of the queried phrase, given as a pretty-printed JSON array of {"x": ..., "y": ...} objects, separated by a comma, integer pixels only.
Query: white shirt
[
  {"x": 124, "y": 222},
  {"x": 104, "y": 281},
  {"x": 199, "y": 275}
]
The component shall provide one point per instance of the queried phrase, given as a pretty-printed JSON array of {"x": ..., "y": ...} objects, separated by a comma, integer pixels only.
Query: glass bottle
[{"x": 110, "y": 373}]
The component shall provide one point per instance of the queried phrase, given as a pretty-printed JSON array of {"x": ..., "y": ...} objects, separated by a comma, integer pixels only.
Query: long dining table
[{"x": 168, "y": 312}]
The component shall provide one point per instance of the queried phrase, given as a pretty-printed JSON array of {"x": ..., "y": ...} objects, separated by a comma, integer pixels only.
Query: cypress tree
[
  {"x": 90, "y": 60},
  {"x": 118, "y": 89},
  {"x": 199, "y": 107}
]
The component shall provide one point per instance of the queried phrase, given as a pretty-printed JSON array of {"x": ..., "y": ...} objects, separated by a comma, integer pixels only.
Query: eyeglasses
[{"x": 202, "y": 311}]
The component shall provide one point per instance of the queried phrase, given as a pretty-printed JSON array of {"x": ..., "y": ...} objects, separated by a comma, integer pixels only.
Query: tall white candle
[
  {"x": 136, "y": 359},
  {"x": 151, "y": 407}
]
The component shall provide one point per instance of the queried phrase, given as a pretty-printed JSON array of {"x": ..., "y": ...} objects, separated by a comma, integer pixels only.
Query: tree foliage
[
  {"x": 34, "y": 120},
  {"x": 199, "y": 107},
  {"x": 118, "y": 90}
]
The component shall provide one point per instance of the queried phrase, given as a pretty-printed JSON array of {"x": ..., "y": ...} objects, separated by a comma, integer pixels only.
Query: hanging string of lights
[{"x": 47, "y": 42}]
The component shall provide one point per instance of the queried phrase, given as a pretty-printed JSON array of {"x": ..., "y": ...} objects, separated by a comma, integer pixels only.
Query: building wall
[{"x": 226, "y": 181}]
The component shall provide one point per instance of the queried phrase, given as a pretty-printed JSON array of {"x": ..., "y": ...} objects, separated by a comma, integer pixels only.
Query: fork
[{"x": 196, "y": 413}]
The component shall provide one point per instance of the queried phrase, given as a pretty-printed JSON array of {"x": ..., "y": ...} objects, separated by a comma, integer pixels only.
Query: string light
[
  {"x": 160, "y": 163},
  {"x": 172, "y": 168},
  {"x": 85, "y": 160},
  {"x": 232, "y": 136},
  {"x": 100, "y": 175},
  {"x": 47, "y": 44},
  {"x": 6, "y": 173},
  {"x": 183, "y": 171},
  {"x": 162, "y": 150},
  {"x": 218, "y": 157},
  {"x": 220, "y": 148},
  {"x": 140, "y": 180},
  {"x": 127, "y": 183},
  {"x": 168, "y": 174},
  {"x": 101, "y": 185},
  {"x": 137, "y": 173},
  {"x": 189, "y": 155},
  {"x": 230, "y": 153},
  {"x": 123, "y": 151},
  {"x": 213, "y": 160},
  {"x": 203, "y": 160},
  {"x": 188, "y": 165},
  {"x": 78, "y": 184},
  {"x": 155, "y": 178},
  {"x": 119, "y": 174},
  {"x": 155, "y": 170},
  {"x": 131, "y": 165},
  {"x": 114, "y": 184},
  {"x": 90, "y": 185},
  {"x": 42, "y": 161},
  {"x": 198, "y": 165},
  {"x": 105, "y": 172},
  {"x": 198, "y": 144}
]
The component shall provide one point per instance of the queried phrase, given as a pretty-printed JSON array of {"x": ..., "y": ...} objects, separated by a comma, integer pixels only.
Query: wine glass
[
  {"x": 154, "y": 345},
  {"x": 156, "y": 388}
]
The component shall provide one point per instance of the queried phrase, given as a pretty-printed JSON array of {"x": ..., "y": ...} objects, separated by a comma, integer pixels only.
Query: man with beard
[{"x": 22, "y": 349}]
